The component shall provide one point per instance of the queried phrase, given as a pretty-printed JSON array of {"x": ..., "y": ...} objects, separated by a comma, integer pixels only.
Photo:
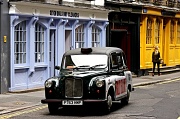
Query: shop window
[
  {"x": 149, "y": 31},
  {"x": 178, "y": 33},
  {"x": 39, "y": 43},
  {"x": 95, "y": 37},
  {"x": 157, "y": 32},
  {"x": 79, "y": 37},
  {"x": 20, "y": 43},
  {"x": 172, "y": 32}
]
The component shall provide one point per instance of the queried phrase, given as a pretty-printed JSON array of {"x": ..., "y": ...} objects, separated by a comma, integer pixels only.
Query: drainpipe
[{"x": 5, "y": 47}]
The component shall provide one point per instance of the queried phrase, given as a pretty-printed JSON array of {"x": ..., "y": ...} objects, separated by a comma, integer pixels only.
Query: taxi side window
[
  {"x": 124, "y": 59},
  {"x": 120, "y": 60},
  {"x": 114, "y": 61}
]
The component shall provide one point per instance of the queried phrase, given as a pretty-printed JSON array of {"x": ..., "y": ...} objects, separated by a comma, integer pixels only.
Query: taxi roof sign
[{"x": 86, "y": 50}]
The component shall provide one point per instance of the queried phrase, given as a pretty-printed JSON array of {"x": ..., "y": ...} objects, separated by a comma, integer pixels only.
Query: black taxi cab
[{"x": 96, "y": 75}]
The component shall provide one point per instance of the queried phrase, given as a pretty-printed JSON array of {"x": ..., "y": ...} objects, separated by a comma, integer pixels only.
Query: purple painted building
[{"x": 41, "y": 33}]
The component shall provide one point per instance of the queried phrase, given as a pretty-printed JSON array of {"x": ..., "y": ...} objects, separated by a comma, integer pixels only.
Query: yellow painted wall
[
  {"x": 142, "y": 42},
  {"x": 153, "y": 11},
  {"x": 177, "y": 15},
  {"x": 169, "y": 52},
  {"x": 166, "y": 39}
]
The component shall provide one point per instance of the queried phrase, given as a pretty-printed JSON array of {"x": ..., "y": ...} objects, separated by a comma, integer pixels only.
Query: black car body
[{"x": 89, "y": 75}]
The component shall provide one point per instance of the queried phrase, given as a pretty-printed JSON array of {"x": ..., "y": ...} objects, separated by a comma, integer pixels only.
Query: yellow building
[
  {"x": 137, "y": 26},
  {"x": 159, "y": 28}
]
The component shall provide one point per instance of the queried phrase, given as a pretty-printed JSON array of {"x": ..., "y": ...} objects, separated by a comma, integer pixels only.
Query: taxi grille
[{"x": 73, "y": 88}]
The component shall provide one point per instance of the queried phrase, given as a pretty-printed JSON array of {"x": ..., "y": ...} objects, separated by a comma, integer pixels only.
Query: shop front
[
  {"x": 160, "y": 28},
  {"x": 124, "y": 32},
  {"x": 41, "y": 33}
]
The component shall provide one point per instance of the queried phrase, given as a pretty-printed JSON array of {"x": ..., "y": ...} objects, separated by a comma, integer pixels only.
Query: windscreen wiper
[
  {"x": 82, "y": 67},
  {"x": 98, "y": 65}
]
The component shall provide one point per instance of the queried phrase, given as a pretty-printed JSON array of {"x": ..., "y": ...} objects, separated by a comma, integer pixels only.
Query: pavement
[{"x": 15, "y": 101}]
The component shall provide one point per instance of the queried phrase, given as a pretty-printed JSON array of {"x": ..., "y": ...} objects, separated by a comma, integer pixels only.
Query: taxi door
[{"x": 120, "y": 79}]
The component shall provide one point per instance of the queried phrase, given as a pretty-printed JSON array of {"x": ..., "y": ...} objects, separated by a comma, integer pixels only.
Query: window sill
[
  {"x": 21, "y": 67},
  {"x": 40, "y": 65}
]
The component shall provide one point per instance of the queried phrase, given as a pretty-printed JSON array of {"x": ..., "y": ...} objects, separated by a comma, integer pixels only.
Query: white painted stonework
[
  {"x": 98, "y": 2},
  {"x": 38, "y": 9},
  {"x": 95, "y": 2}
]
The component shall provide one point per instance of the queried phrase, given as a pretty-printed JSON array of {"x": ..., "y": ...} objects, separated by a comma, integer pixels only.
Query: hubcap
[{"x": 109, "y": 102}]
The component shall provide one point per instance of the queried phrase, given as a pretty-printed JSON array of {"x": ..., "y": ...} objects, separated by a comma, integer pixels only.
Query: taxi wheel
[
  {"x": 53, "y": 108},
  {"x": 108, "y": 104},
  {"x": 125, "y": 100}
]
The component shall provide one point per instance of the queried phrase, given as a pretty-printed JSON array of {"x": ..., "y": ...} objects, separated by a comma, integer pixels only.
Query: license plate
[{"x": 72, "y": 102}]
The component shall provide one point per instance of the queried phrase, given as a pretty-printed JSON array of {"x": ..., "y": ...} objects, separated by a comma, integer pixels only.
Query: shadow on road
[{"x": 87, "y": 111}]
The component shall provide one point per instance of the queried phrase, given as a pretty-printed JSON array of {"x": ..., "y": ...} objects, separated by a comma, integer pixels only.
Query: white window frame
[
  {"x": 79, "y": 36},
  {"x": 20, "y": 43},
  {"x": 39, "y": 43},
  {"x": 96, "y": 36}
]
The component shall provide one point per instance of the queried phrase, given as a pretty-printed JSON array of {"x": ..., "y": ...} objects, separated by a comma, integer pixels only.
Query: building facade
[
  {"x": 124, "y": 31},
  {"x": 36, "y": 33},
  {"x": 160, "y": 28},
  {"x": 41, "y": 33},
  {"x": 139, "y": 25}
]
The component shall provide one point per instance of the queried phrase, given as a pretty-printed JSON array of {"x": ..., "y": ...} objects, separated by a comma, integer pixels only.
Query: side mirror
[{"x": 57, "y": 67}]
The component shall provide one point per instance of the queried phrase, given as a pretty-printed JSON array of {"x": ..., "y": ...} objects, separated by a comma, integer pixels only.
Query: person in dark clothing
[{"x": 156, "y": 60}]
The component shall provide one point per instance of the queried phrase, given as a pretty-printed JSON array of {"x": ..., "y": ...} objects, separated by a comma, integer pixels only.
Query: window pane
[
  {"x": 79, "y": 41},
  {"x": 39, "y": 43},
  {"x": 172, "y": 32},
  {"x": 95, "y": 37},
  {"x": 157, "y": 32},
  {"x": 149, "y": 31},
  {"x": 20, "y": 43},
  {"x": 178, "y": 33}
]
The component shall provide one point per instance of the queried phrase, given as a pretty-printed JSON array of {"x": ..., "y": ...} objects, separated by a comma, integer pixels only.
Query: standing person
[{"x": 156, "y": 60}]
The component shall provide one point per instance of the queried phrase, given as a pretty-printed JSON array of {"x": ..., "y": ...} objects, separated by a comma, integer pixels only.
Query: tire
[
  {"x": 53, "y": 108},
  {"x": 108, "y": 104},
  {"x": 125, "y": 100}
]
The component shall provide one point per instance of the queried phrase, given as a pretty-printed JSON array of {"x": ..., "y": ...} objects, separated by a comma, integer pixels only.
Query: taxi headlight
[
  {"x": 99, "y": 83},
  {"x": 48, "y": 84}
]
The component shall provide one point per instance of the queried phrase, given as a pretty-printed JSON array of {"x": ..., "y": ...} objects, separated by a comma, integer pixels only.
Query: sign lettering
[
  {"x": 126, "y": 9},
  {"x": 77, "y": 102},
  {"x": 62, "y": 13},
  {"x": 72, "y": 102}
]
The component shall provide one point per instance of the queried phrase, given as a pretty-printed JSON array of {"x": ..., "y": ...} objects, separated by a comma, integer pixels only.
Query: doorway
[
  {"x": 52, "y": 52},
  {"x": 68, "y": 40},
  {"x": 121, "y": 39}
]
